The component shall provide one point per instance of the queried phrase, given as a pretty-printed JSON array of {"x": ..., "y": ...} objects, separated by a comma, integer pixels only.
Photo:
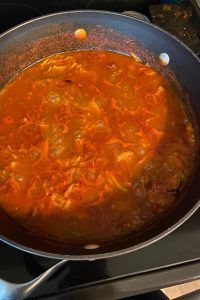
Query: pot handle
[
  {"x": 13, "y": 291},
  {"x": 135, "y": 14}
]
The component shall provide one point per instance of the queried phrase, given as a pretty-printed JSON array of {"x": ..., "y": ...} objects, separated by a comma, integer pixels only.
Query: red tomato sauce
[{"x": 94, "y": 145}]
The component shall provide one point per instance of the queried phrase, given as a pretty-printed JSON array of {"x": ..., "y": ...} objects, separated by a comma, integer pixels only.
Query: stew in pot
[{"x": 94, "y": 145}]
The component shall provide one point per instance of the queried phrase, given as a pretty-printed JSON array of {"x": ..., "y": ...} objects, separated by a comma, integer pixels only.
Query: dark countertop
[{"x": 178, "y": 20}]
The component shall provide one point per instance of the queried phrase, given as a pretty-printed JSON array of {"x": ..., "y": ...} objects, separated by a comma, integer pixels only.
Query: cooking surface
[
  {"x": 179, "y": 21},
  {"x": 174, "y": 258}
]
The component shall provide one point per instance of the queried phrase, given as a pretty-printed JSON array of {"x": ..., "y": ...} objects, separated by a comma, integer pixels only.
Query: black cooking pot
[{"x": 33, "y": 40}]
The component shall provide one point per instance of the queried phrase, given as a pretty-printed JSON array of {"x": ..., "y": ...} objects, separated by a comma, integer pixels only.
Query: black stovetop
[{"x": 174, "y": 259}]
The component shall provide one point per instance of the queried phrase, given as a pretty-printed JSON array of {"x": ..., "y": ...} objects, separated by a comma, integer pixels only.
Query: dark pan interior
[{"x": 38, "y": 38}]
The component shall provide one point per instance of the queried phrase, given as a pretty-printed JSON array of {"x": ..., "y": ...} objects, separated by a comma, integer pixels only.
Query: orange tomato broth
[{"x": 94, "y": 145}]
